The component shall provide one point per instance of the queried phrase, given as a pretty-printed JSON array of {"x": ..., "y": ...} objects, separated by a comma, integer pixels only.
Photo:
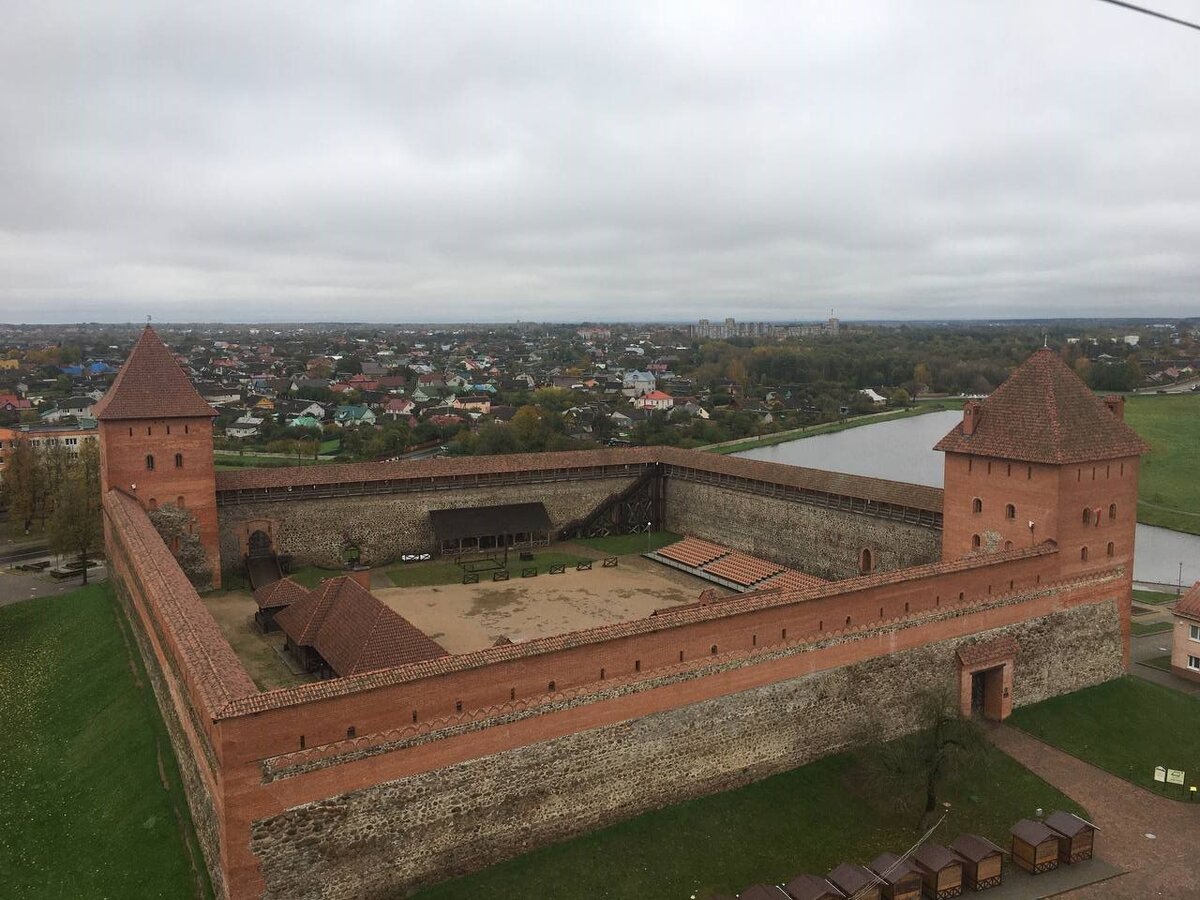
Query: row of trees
[{"x": 56, "y": 492}]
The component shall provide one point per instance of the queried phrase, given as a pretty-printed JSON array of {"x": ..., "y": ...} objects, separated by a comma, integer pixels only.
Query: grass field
[
  {"x": 1140, "y": 628},
  {"x": 1159, "y": 662},
  {"x": 627, "y": 544},
  {"x": 1169, "y": 491},
  {"x": 1154, "y": 597},
  {"x": 1126, "y": 727},
  {"x": 424, "y": 574},
  {"x": 90, "y": 797},
  {"x": 807, "y": 820}
]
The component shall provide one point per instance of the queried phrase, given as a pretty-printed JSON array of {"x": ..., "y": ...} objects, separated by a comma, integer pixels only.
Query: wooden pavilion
[
  {"x": 941, "y": 871},
  {"x": 1075, "y": 836},
  {"x": 856, "y": 881},
  {"x": 982, "y": 861},
  {"x": 1034, "y": 846},
  {"x": 900, "y": 880}
]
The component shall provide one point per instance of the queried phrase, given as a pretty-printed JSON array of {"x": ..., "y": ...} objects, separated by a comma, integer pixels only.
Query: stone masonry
[
  {"x": 819, "y": 540},
  {"x": 392, "y": 837}
]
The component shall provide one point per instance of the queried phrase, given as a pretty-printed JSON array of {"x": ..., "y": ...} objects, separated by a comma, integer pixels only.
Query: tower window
[
  {"x": 1010, "y": 512},
  {"x": 976, "y": 505},
  {"x": 713, "y": 649},
  {"x": 179, "y": 460},
  {"x": 976, "y": 541},
  {"x": 1111, "y": 548},
  {"x": 1087, "y": 515},
  {"x": 1112, "y": 511},
  {"x": 1083, "y": 554},
  {"x": 866, "y": 564},
  {"x": 149, "y": 462}
]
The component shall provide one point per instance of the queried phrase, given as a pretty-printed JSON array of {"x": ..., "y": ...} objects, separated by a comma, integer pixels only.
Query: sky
[{"x": 395, "y": 162}]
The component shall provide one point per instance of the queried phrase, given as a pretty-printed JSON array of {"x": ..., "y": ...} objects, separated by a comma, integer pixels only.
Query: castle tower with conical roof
[
  {"x": 156, "y": 440},
  {"x": 1043, "y": 458}
]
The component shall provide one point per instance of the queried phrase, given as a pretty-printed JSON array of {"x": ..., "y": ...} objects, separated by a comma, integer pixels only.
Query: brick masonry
[
  {"x": 815, "y": 539},
  {"x": 400, "y": 834}
]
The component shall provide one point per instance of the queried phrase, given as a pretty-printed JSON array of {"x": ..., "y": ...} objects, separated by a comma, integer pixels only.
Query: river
[{"x": 902, "y": 450}]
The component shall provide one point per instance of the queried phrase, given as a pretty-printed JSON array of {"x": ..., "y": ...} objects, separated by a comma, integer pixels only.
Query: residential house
[
  {"x": 480, "y": 403},
  {"x": 655, "y": 401},
  {"x": 399, "y": 407},
  {"x": 1185, "y": 650},
  {"x": 877, "y": 399},
  {"x": 351, "y": 415},
  {"x": 244, "y": 426}
]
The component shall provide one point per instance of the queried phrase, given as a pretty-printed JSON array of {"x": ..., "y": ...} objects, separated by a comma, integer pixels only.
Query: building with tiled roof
[
  {"x": 1185, "y": 649},
  {"x": 342, "y": 629},
  {"x": 151, "y": 385},
  {"x": 271, "y": 598}
]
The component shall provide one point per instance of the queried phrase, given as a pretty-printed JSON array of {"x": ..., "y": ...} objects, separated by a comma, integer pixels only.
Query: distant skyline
[{"x": 380, "y": 162}]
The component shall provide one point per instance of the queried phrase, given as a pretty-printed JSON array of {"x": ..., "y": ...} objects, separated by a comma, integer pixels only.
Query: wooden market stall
[
  {"x": 1075, "y": 836},
  {"x": 983, "y": 861},
  {"x": 1034, "y": 846},
  {"x": 812, "y": 887},
  {"x": 941, "y": 871},
  {"x": 856, "y": 881},
  {"x": 900, "y": 880}
]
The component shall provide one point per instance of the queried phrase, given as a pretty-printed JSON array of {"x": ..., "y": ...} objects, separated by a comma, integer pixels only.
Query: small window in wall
[
  {"x": 1111, "y": 548},
  {"x": 1008, "y": 545},
  {"x": 601, "y": 674},
  {"x": 1028, "y": 473},
  {"x": 1194, "y": 632},
  {"x": 847, "y": 621},
  {"x": 637, "y": 665},
  {"x": 153, "y": 503},
  {"x": 821, "y": 625},
  {"x": 185, "y": 429},
  {"x": 906, "y": 607},
  {"x": 149, "y": 462},
  {"x": 131, "y": 432},
  {"x": 351, "y": 732},
  {"x": 970, "y": 463},
  {"x": 458, "y": 706},
  {"x": 168, "y": 429},
  {"x": 1009, "y": 472},
  {"x": 148, "y": 430},
  {"x": 960, "y": 595},
  {"x": 551, "y": 687},
  {"x": 977, "y": 506},
  {"x": 1194, "y": 663},
  {"x": 1083, "y": 554},
  {"x": 301, "y": 742},
  {"x": 512, "y": 692},
  {"x": 865, "y": 562},
  {"x": 754, "y": 640},
  {"x": 713, "y": 649},
  {"x": 1112, "y": 512},
  {"x": 783, "y": 634},
  {"x": 976, "y": 541},
  {"x": 179, "y": 460},
  {"x": 414, "y": 717},
  {"x": 1010, "y": 512},
  {"x": 1087, "y": 515},
  {"x": 681, "y": 656}
]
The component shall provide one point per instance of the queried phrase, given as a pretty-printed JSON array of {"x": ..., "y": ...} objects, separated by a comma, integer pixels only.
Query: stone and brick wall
[
  {"x": 378, "y": 841},
  {"x": 385, "y": 525},
  {"x": 820, "y": 540}
]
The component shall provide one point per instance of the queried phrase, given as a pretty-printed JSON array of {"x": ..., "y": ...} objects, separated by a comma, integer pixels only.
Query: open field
[
  {"x": 466, "y": 617},
  {"x": 628, "y": 544},
  {"x": 1139, "y": 628},
  {"x": 234, "y": 611},
  {"x": 807, "y": 820},
  {"x": 1154, "y": 597},
  {"x": 91, "y": 804},
  {"x": 1127, "y": 727},
  {"x": 1169, "y": 489}
]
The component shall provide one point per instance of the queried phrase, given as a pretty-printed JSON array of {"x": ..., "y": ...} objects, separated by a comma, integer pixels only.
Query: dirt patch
[
  {"x": 234, "y": 612},
  {"x": 467, "y": 617}
]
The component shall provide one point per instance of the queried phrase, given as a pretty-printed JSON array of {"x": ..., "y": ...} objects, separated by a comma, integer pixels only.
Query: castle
[{"x": 1014, "y": 582}]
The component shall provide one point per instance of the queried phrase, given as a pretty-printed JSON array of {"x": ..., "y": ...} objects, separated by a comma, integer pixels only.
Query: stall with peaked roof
[
  {"x": 982, "y": 861},
  {"x": 900, "y": 881},
  {"x": 812, "y": 887},
  {"x": 856, "y": 881},
  {"x": 1076, "y": 836},
  {"x": 1034, "y": 846},
  {"x": 940, "y": 870}
]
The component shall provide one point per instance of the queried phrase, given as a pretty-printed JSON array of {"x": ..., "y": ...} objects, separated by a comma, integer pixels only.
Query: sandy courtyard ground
[
  {"x": 466, "y": 617},
  {"x": 234, "y": 611}
]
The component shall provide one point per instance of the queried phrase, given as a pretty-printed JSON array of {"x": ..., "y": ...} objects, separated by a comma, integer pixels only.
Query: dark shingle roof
[
  {"x": 151, "y": 385},
  {"x": 1043, "y": 413},
  {"x": 974, "y": 847},
  {"x": 1032, "y": 832},
  {"x": 1067, "y": 823},
  {"x": 353, "y": 630}
]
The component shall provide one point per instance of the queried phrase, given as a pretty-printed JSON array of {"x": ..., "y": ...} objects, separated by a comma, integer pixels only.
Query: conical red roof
[
  {"x": 1044, "y": 413},
  {"x": 151, "y": 385}
]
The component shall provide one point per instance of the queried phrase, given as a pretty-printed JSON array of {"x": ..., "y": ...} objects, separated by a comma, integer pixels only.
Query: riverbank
[{"x": 781, "y": 437}]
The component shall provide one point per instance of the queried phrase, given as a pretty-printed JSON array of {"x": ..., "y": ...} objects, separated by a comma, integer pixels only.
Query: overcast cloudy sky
[{"x": 566, "y": 161}]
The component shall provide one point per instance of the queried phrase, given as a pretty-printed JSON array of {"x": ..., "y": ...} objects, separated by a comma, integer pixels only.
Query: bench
[
  {"x": 500, "y": 575},
  {"x": 529, "y": 572},
  {"x": 557, "y": 568},
  {"x": 610, "y": 562},
  {"x": 470, "y": 578},
  {"x": 584, "y": 567}
]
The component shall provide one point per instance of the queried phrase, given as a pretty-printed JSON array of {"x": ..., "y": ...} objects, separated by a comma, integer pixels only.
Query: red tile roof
[
  {"x": 1189, "y": 604},
  {"x": 353, "y": 630},
  {"x": 692, "y": 551},
  {"x": 277, "y": 594},
  {"x": 743, "y": 569},
  {"x": 1043, "y": 413},
  {"x": 151, "y": 385}
]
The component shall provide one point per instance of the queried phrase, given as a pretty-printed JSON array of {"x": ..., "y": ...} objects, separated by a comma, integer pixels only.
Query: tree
[
  {"x": 911, "y": 770},
  {"x": 75, "y": 523},
  {"x": 20, "y": 487}
]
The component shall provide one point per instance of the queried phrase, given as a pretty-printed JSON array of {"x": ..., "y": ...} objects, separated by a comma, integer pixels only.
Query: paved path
[{"x": 1161, "y": 867}]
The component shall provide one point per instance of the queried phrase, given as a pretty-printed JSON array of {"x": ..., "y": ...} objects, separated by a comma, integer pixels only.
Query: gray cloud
[{"x": 567, "y": 161}]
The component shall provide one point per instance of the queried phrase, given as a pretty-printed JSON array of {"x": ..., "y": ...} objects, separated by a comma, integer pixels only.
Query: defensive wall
[
  {"x": 820, "y": 522},
  {"x": 372, "y": 785}
]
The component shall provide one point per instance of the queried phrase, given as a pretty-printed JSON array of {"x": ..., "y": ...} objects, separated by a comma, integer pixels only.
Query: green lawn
[
  {"x": 627, "y": 544},
  {"x": 311, "y": 576},
  {"x": 1159, "y": 662},
  {"x": 1154, "y": 597},
  {"x": 1127, "y": 727},
  {"x": 83, "y": 759},
  {"x": 1169, "y": 491},
  {"x": 810, "y": 819},
  {"x": 1140, "y": 628},
  {"x": 425, "y": 574}
]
